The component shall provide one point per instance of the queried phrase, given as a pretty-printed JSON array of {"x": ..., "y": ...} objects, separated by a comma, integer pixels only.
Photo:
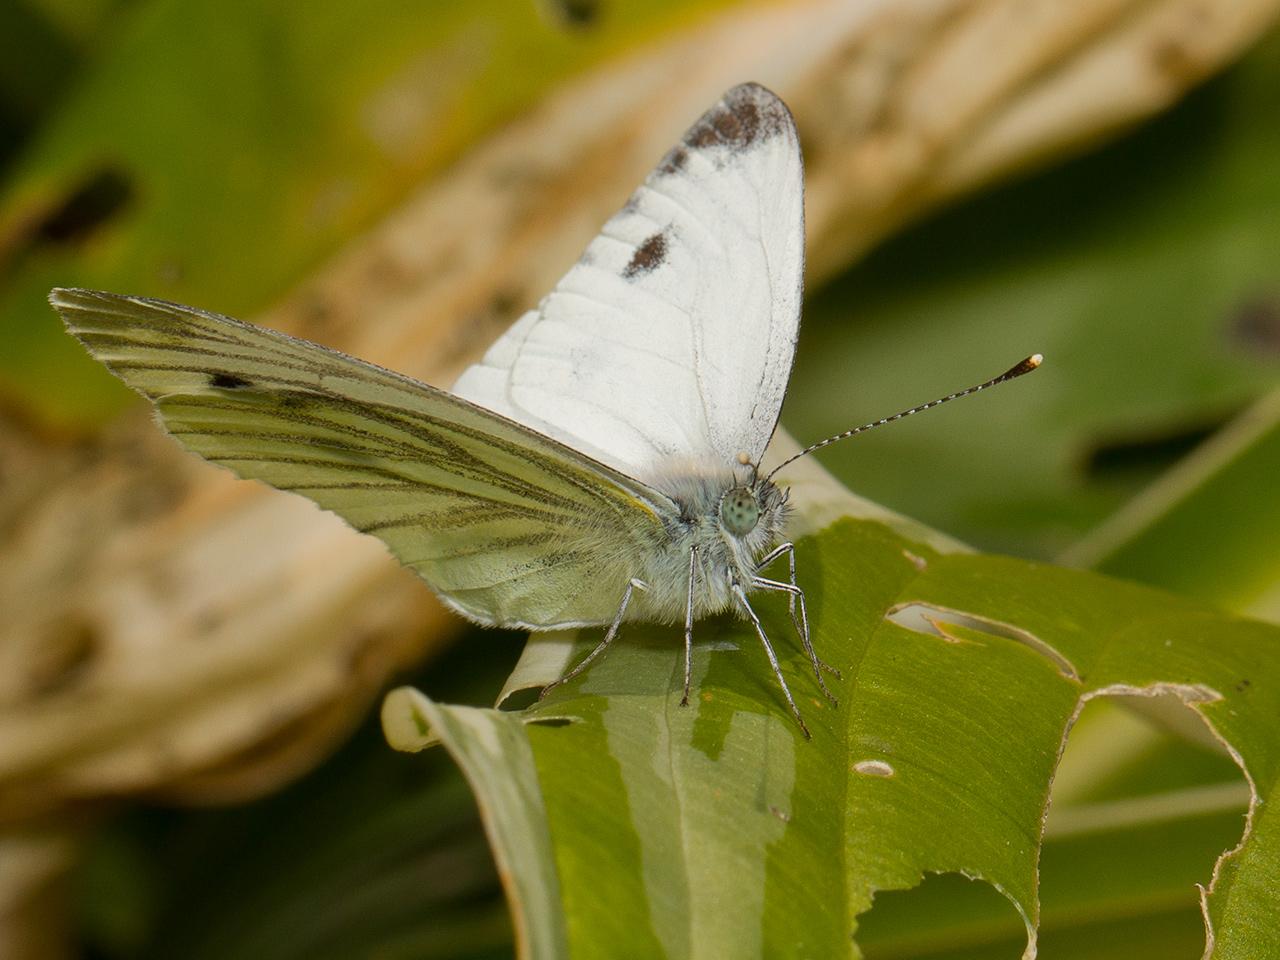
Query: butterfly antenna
[{"x": 1023, "y": 367}]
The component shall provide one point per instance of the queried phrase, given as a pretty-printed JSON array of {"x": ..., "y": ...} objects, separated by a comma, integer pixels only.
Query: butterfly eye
[{"x": 739, "y": 511}]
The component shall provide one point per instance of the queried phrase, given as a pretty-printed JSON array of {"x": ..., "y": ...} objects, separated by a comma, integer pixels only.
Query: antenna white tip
[{"x": 1035, "y": 359}]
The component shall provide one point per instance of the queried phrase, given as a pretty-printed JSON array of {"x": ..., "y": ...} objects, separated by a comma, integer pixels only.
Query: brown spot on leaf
[
  {"x": 505, "y": 301},
  {"x": 94, "y": 201},
  {"x": 65, "y": 656},
  {"x": 575, "y": 13},
  {"x": 1174, "y": 60},
  {"x": 648, "y": 257},
  {"x": 1255, "y": 324},
  {"x": 316, "y": 309},
  {"x": 1154, "y": 449}
]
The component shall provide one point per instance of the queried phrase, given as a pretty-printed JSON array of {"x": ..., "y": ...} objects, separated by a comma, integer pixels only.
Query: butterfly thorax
[{"x": 729, "y": 518}]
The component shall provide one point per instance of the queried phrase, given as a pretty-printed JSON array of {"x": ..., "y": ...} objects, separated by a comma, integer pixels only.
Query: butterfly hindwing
[
  {"x": 674, "y": 333},
  {"x": 511, "y": 527}
]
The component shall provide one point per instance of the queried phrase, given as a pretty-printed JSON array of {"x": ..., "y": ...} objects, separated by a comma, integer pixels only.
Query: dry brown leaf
[{"x": 163, "y": 619}]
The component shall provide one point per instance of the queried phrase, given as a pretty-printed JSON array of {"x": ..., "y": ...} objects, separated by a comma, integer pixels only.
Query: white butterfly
[{"x": 600, "y": 464}]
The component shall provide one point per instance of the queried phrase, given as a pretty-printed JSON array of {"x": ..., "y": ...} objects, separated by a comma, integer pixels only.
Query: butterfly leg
[
  {"x": 773, "y": 658},
  {"x": 797, "y": 596},
  {"x": 688, "y": 627},
  {"x": 789, "y": 549},
  {"x": 802, "y": 627},
  {"x": 603, "y": 644}
]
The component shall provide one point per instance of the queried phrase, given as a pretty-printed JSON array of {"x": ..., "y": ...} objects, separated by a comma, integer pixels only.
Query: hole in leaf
[
  {"x": 1143, "y": 805},
  {"x": 874, "y": 768},
  {"x": 932, "y": 620},
  {"x": 945, "y": 919},
  {"x": 550, "y": 721},
  {"x": 947, "y": 915},
  {"x": 1141, "y": 812},
  {"x": 520, "y": 699}
]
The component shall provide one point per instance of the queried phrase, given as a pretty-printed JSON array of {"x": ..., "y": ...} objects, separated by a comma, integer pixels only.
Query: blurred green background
[{"x": 214, "y": 153}]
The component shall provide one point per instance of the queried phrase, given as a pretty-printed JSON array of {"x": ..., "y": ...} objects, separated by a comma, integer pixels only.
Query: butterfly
[{"x": 600, "y": 464}]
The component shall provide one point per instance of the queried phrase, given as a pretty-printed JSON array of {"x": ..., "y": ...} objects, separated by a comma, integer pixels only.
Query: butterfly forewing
[
  {"x": 512, "y": 527},
  {"x": 673, "y": 336}
]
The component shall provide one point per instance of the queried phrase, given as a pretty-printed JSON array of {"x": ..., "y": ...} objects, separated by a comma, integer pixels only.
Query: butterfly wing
[
  {"x": 673, "y": 335},
  {"x": 511, "y": 527}
]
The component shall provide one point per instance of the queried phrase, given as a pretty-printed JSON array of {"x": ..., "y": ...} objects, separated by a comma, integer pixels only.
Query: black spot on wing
[
  {"x": 735, "y": 128},
  {"x": 674, "y": 161},
  {"x": 228, "y": 381},
  {"x": 648, "y": 257},
  {"x": 746, "y": 115}
]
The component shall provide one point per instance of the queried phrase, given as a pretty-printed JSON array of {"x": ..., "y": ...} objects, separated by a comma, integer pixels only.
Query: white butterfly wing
[
  {"x": 673, "y": 336},
  {"x": 510, "y": 527}
]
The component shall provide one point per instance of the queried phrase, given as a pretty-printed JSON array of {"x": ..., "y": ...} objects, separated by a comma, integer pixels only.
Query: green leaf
[
  {"x": 716, "y": 830},
  {"x": 509, "y": 797}
]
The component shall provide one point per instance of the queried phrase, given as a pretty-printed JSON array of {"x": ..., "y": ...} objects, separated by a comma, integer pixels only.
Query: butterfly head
[
  {"x": 740, "y": 511},
  {"x": 734, "y": 512},
  {"x": 754, "y": 513}
]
